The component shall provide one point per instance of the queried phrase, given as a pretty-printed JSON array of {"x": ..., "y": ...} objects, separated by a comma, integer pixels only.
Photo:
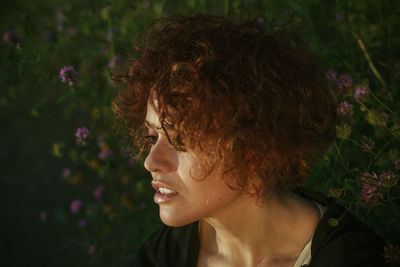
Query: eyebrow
[{"x": 150, "y": 125}]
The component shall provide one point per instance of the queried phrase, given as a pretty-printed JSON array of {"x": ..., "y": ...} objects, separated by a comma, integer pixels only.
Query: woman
[{"x": 234, "y": 117}]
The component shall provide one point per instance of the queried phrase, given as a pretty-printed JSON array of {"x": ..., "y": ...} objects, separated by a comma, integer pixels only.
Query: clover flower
[
  {"x": 75, "y": 206},
  {"x": 367, "y": 144},
  {"x": 344, "y": 83},
  {"x": 360, "y": 92},
  {"x": 373, "y": 186},
  {"x": 392, "y": 254},
  {"x": 98, "y": 191},
  {"x": 81, "y": 135},
  {"x": 68, "y": 75},
  {"x": 388, "y": 179},
  {"x": 345, "y": 109},
  {"x": 369, "y": 191},
  {"x": 10, "y": 37},
  {"x": 331, "y": 75}
]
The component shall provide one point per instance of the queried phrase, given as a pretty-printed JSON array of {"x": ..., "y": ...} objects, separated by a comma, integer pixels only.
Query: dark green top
[{"x": 349, "y": 243}]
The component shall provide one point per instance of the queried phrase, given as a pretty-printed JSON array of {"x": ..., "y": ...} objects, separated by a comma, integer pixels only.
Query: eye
[{"x": 150, "y": 139}]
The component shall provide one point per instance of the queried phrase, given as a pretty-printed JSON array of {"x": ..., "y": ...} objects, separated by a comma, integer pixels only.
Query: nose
[{"x": 161, "y": 158}]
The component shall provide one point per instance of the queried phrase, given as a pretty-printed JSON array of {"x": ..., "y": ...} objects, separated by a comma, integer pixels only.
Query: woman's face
[{"x": 182, "y": 199}]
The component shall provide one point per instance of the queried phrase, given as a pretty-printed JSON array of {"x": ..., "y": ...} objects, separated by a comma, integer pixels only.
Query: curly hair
[{"x": 254, "y": 101}]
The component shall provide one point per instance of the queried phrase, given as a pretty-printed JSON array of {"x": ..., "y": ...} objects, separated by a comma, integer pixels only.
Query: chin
[{"x": 171, "y": 219}]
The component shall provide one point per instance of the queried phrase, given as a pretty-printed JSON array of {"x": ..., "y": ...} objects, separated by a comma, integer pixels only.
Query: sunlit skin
[{"x": 234, "y": 228}]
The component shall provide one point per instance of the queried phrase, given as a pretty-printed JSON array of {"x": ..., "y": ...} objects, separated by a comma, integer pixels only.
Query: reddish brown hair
[{"x": 253, "y": 100}]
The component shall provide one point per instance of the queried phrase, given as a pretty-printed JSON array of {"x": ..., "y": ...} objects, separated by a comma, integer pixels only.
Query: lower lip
[{"x": 162, "y": 198}]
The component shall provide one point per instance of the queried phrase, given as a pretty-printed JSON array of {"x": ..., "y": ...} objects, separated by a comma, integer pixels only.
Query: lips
[{"x": 164, "y": 192}]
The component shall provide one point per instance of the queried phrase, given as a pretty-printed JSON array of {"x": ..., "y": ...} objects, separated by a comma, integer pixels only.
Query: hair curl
[{"x": 255, "y": 101}]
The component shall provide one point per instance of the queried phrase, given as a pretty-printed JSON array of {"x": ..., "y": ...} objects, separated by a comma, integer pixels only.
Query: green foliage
[{"x": 358, "y": 38}]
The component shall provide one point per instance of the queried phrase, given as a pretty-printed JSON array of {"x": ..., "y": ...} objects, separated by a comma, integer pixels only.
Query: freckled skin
[{"x": 197, "y": 198}]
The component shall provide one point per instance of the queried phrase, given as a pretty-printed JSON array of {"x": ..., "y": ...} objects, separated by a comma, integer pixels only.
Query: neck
[{"x": 254, "y": 231}]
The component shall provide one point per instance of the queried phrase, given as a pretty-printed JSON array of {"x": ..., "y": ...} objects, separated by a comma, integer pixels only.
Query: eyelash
[{"x": 150, "y": 139}]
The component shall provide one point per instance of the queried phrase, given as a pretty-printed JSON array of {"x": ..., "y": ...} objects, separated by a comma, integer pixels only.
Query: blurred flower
[
  {"x": 43, "y": 216},
  {"x": 68, "y": 75},
  {"x": 75, "y": 206},
  {"x": 261, "y": 21},
  {"x": 105, "y": 154},
  {"x": 81, "y": 135},
  {"x": 100, "y": 140},
  {"x": 392, "y": 254},
  {"x": 126, "y": 151},
  {"x": 81, "y": 223},
  {"x": 66, "y": 172},
  {"x": 345, "y": 109},
  {"x": 396, "y": 163},
  {"x": 94, "y": 164},
  {"x": 343, "y": 131},
  {"x": 91, "y": 250},
  {"x": 10, "y": 37},
  {"x": 335, "y": 193},
  {"x": 116, "y": 61},
  {"x": 367, "y": 144},
  {"x": 72, "y": 32},
  {"x": 331, "y": 75},
  {"x": 344, "y": 83},
  {"x": 107, "y": 209},
  {"x": 60, "y": 17},
  {"x": 340, "y": 15},
  {"x": 360, "y": 92},
  {"x": 383, "y": 119},
  {"x": 98, "y": 191}
]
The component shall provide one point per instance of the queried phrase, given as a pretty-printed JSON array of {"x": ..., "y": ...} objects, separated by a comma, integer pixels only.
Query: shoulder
[
  {"x": 169, "y": 246},
  {"x": 342, "y": 240}
]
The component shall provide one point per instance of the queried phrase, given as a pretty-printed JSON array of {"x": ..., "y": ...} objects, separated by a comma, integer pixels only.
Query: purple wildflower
[
  {"x": 344, "y": 82},
  {"x": 340, "y": 15},
  {"x": 68, "y": 75},
  {"x": 81, "y": 135},
  {"x": 396, "y": 163},
  {"x": 367, "y": 144},
  {"x": 345, "y": 109},
  {"x": 126, "y": 151},
  {"x": 360, "y": 92},
  {"x": 392, "y": 254},
  {"x": 81, "y": 223},
  {"x": 116, "y": 61},
  {"x": 10, "y": 37},
  {"x": 60, "y": 18},
  {"x": 369, "y": 191},
  {"x": 331, "y": 75},
  {"x": 43, "y": 216},
  {"x": 75, "y": 206},
  {"x": 98, "y": 191},
  {"x": 91, "y": 249},
  {"x": 105, "y": 154},
  {"x": 66, "y": 172}
]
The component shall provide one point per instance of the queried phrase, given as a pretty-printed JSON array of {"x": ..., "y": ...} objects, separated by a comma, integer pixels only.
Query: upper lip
[{"x": 157, "y": 184}]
